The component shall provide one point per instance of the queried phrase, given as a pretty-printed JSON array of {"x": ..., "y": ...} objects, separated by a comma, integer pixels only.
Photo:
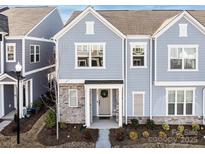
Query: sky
[{"x": 66, "y": 10}]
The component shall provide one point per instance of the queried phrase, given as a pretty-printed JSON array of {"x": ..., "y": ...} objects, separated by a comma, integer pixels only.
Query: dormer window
[
  {"x": 182, "y": 30},
  {"x": 89, "y": 27}
]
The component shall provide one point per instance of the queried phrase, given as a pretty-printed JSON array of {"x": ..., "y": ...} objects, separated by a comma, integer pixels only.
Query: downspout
[
  {"x": 150, "y": 78},
  {"x": 125, "y": 70},
  {"x": 203, "y": 107}
]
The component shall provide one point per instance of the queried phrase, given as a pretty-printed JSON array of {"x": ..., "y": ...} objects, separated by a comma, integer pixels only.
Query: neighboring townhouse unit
[
  {"x": 125, "y": 64},
  {"x": 25, "y": 34}
]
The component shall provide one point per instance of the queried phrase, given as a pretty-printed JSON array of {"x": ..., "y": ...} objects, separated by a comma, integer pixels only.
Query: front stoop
[{"x": 103, "y": 140}]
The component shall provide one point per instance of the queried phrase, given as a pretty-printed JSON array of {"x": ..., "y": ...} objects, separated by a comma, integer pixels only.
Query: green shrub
[
  {"x": 179, "y": 136},
  {"x": 195, "y": 127},
  {"x": 162, "y": 134},
  {"x": 135, "y": 123},
  {"x": 165, "y": 126},
  {"x": 180, "y": 128},
  {"x": 50, "y": 119},
  {"x": 62, "y": 125},
  {"x": 120, "y": 134},
  {"x": 133, "y": 135},
  {"x": 38, "y": 105},
  {"x": 145, "y": 134},
  {"x": 150, "y": 124}
]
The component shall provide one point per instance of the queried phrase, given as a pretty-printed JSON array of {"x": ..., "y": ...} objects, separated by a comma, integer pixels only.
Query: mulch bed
[
  {"x": 153, "y": 138},
  {"x": 70, "y": 133},
  {"x": 25, "y": 124}
]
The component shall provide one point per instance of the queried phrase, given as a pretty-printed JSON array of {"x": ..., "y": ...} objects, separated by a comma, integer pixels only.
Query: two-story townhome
[
  {"x": 125, "y": 64},
  {"x": 25, "y": 34}
]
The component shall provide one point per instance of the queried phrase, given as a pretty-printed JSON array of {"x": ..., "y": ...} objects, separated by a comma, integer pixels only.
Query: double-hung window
[
  {"x": 10, "y": 52},
  {"x": 90, "y": 55},
  {"x": 73, "y": 98},
  {"x": 34, "y": 53},
  {"x": 180, "y": 101},
  {"x": 138, "y": 54},
  {"x": 183, "y": 57}
]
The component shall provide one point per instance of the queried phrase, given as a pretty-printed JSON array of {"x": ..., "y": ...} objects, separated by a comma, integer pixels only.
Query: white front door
[{"x": 104, "y": 102}]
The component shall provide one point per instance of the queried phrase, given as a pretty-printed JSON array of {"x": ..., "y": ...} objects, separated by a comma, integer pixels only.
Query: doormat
[{"x": 104, "y": 118}]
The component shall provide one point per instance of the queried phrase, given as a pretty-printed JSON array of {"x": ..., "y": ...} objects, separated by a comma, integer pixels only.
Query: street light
[{"x": 18, "y": 68}]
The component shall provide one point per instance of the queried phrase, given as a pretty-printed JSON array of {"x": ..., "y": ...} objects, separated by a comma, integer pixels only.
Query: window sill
[
  {"x": 91, "y": 68},
  {"x": 136, "y": 67},
  {"x": 177, "y": 70}
]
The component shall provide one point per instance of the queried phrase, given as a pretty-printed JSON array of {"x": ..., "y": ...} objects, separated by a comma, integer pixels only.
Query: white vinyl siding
[
  {"x": 34, "y": 53},
  {"x": 138, "y": 103},
  {"x": 90, "y": 27},
  {"x": 180, "y": 101},
  {"x": 10, "y": 52},
  {"x": 73, "y": 98},
  {"x": 183, "y": 30},
  {"x": 182, "y": 57}
]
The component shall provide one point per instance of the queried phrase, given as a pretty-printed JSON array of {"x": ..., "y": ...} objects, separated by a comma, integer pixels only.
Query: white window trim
[
  {"x": 89, "y": 23},
  {"x": 181, "y": 26},
  {"x": 185, "y": 89},
  {"x": 14, "y": 45},
  {"x": 133, "y": 109},
  {"x": 69, "y": 90},
  {"x": 145, "y": 54},
  {"x": 183, "y": 46},
  {"x": 90, "y": 67},
  {"x": 35, "y": 54}
]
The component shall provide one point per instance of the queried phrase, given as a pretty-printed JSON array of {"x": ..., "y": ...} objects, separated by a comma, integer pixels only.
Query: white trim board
[
  {"x": 29, "y": 38},
  {"x": 81, "y": 16},
  {"x": 138, "y": 36},
  {"x": 7, "y": 76},
  {"x": 179, "y": 83},
  {"x": 1, "y": 100},
  {"x": 39, "y": 69}
]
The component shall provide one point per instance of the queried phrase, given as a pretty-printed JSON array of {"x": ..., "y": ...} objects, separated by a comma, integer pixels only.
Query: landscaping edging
[{"x": 159, "y": 145}]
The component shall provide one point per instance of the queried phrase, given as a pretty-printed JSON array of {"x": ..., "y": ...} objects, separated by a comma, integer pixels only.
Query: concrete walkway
[
  {"x": 3, "y": 124},
  {"x": 103, "y": 139}
]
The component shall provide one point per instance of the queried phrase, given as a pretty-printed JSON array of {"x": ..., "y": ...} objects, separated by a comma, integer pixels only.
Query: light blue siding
[
  {"x": 11, "y": 65},
  {"x": 49, "y": 27},
  {"x": 159, "y": 101},
  {"x": 171, "y": 36},
  {"x": 113, "y": 52},
  {"x": 46, "y": 54},
  {"x": 137, "y": 79}
]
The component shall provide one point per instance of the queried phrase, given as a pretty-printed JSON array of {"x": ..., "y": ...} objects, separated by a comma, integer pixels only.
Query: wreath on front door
[{"x": 104, "y": 93}]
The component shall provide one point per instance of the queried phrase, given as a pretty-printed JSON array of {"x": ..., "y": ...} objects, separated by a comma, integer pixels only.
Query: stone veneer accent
[
  {"x": 71, "y": 114},
  {"x": 170, "y": 120}
]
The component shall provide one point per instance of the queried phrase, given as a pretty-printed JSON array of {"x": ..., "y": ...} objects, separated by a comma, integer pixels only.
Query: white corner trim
[
  {"x": 23, "y": 57},
  {"x": 2, "y": 55},
  {"x": 41, "y": 21},
  {"x": 81, "y": 16},
  {"x": 14, "y": 53},
  {"x": 179, "y": 83},
  {"x": 196, "y": 46},
  {"x": 133, "y": 103},
  {"x": 187, "y": 16},
  {"x": 144, "y": 44},
  {"x": 2, "y": 100},
  {"x": 39, "y": 70},
  {"x": 150, "y": 79}
]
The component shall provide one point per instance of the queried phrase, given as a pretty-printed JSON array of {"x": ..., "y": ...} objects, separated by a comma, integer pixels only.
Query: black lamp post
[{"x": 18, "y": 68}]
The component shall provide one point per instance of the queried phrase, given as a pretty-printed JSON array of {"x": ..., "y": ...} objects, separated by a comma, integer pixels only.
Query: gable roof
[
  {"x": 146, "y": 22},
  {"x": 22, "y": 19}
]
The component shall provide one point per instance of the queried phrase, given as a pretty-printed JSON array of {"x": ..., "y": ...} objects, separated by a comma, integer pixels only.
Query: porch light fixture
[{"x": 18, "y": 69}]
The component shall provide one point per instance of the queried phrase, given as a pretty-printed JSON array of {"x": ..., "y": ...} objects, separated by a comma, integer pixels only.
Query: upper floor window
[
  {"x": 90, "y": 55},
  {"x": 10, "y": 52},
  {"x": 182, "y": 30},
  {"x": 89, "y": 27},
  {"x": 180, "y": 101},
  {"x": 138, "y": 54},
  {"x": 183, "y": 57},
  {"x": 34, "y": 53}
]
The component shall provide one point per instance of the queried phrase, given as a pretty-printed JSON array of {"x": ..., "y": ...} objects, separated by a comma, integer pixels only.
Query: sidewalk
[{"x": 103, "y": 140}]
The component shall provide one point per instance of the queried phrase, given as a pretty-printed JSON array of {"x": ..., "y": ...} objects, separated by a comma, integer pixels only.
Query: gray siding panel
[
  {"x": 8, "y": 98},
  {"x": 11, "y": 66},
  {"x": 137, "y": 79},
  {"x": 113, "y": 52},
  {"x": 171, "y": 36},
  {"x": 46, "y": 54},
  {"x": 49, "y": 27}
]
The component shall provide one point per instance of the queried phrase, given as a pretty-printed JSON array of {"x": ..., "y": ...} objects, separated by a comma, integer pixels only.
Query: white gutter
[
  {"x": 125, "y": 80},
  {"x": 150, "y": 79}
]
